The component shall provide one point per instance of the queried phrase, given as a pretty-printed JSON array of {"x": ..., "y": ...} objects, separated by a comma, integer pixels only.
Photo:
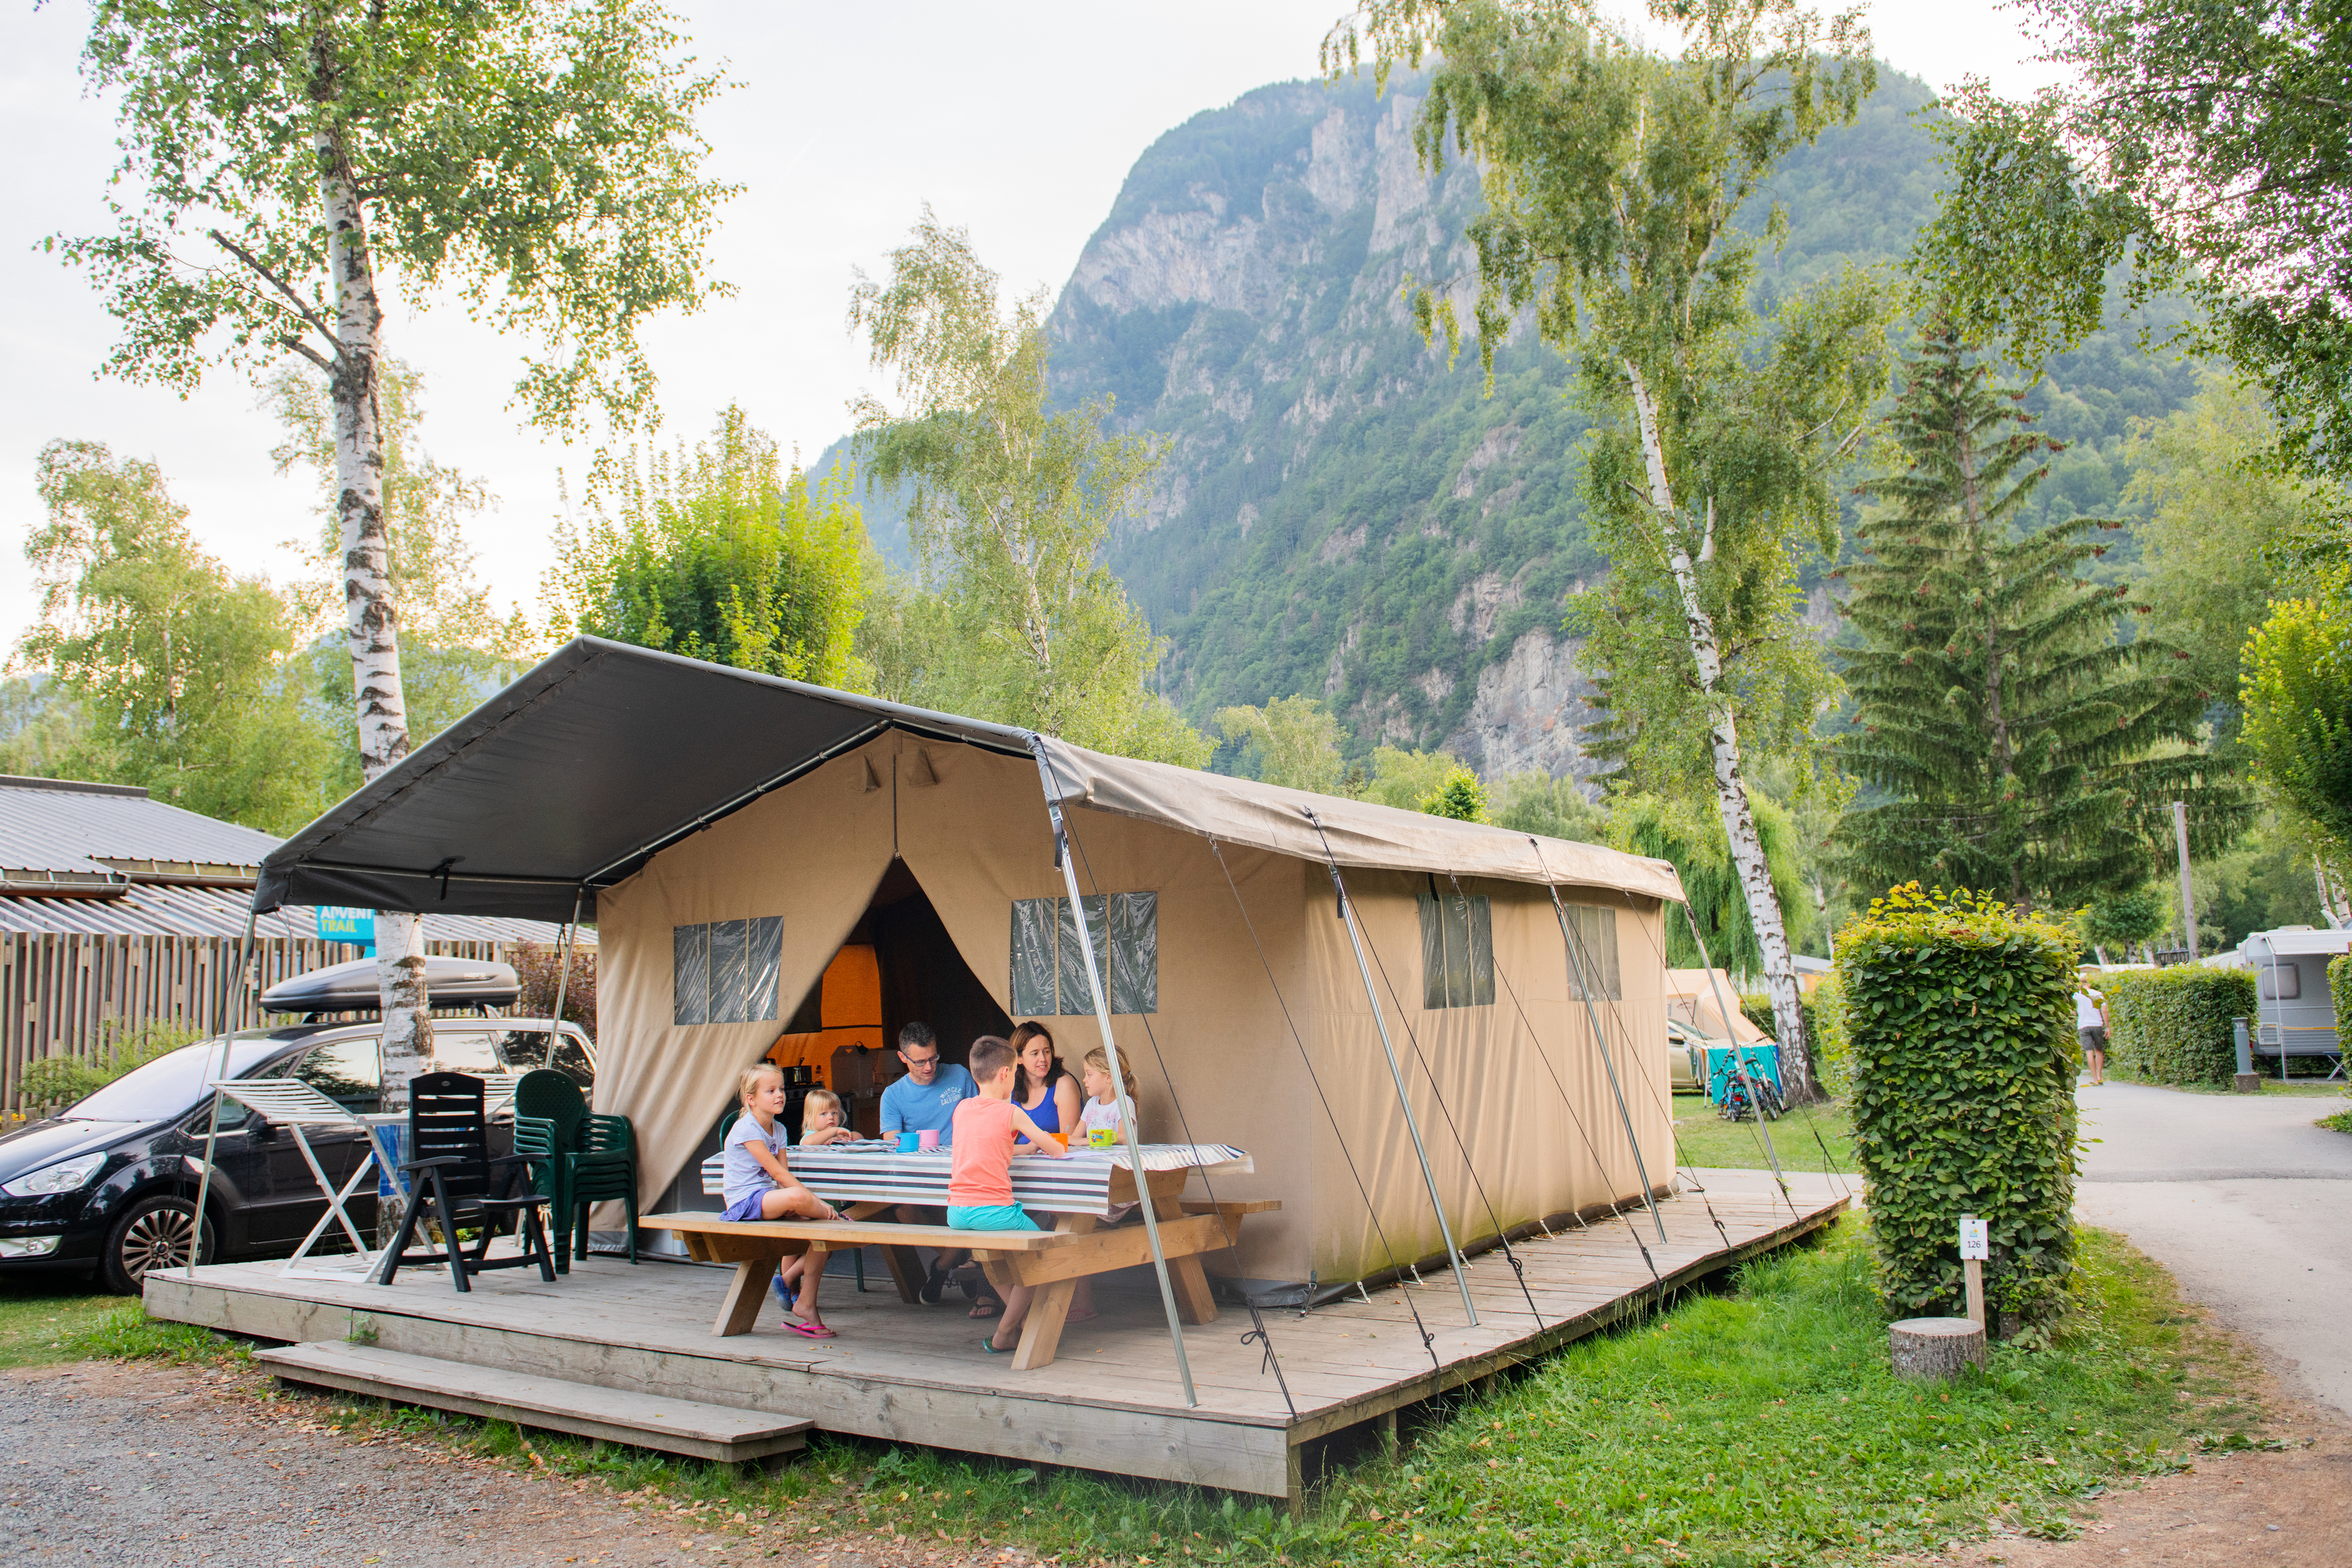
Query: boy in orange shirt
[{"x": 980, "y": 1181}]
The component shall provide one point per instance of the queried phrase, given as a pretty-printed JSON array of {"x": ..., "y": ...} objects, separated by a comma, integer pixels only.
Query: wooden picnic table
[{"x": 1054, "y": 1260}]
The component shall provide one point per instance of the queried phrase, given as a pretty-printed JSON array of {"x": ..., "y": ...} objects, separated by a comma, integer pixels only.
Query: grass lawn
[
  {"x": 2310, "y": 1088},
  {"x": 1736, "y": 1431},
  {"x": 1811, "y": 1138},
  {"x": 43, "y": 1320}
]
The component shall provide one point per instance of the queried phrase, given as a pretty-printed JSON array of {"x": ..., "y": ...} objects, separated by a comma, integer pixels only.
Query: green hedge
[
  {"x": 1960, "y": 1021},
  {"x": 2340, "y": 992},
  {"x": 2172, "y": 1025}
]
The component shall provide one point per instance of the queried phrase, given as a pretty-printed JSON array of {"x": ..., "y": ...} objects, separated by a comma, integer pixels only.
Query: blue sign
[{"x": 337, "y": 923}]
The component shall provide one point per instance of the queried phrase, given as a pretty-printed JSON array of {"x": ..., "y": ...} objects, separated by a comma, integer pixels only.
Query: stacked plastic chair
[{"x": 576, "y": 1158}]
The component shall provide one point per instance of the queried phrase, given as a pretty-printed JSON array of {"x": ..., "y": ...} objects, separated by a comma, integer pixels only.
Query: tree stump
[{"x": 1935, "y": 1347}]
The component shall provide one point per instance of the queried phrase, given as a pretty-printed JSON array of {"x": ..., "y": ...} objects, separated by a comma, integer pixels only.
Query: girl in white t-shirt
[{"x": 1100, "y": 1111}]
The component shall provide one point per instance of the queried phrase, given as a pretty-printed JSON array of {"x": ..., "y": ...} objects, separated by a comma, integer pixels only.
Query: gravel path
[{"x": 144, "y": 1465}]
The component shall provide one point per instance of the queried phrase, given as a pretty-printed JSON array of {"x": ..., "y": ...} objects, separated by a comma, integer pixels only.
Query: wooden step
[{"x": 719, "y": 1432}]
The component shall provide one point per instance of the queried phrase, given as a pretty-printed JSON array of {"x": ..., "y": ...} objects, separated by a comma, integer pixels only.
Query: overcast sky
[{"x": 1018, "y": 118}]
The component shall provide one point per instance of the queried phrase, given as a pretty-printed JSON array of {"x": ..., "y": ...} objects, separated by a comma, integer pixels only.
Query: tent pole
[
  {"x": 1068, "y": 863},
  {"x": 212, "y": 1128},
  {"x": 1737, "y": 1065},
  {"x": 1576, "y": 976},
  {"x": 563, "y": 978},
  {"x": 1348, "y": 917}
]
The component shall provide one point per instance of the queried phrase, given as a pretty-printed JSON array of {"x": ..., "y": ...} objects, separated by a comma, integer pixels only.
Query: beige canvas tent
[
  {"x": 1697, "y": 998},
  {"x": 733, "y": 831}
]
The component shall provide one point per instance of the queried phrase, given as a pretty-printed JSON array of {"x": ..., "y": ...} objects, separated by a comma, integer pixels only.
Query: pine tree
[{"x": 2031, "y": 744}]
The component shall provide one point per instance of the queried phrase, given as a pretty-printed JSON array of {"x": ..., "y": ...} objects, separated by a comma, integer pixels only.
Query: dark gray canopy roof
[{"x": 571, "y": 778}]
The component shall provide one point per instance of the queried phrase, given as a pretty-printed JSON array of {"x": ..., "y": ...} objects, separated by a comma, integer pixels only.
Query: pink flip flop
[{"x": 808, "y": 1331}]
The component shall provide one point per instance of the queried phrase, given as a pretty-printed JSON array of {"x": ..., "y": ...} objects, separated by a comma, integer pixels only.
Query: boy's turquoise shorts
[{"x": 987, "y": 1216}]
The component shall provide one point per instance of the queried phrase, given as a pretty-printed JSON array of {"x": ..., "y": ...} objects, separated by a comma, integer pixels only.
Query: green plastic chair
[{"x": 577, "y": 1159}]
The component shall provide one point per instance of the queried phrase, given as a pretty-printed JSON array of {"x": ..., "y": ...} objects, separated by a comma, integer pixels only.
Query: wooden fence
[{"x": 74, "y": 995}]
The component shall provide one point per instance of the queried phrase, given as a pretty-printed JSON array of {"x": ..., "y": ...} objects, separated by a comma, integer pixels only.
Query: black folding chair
[{"x": 454, "y": 1184}]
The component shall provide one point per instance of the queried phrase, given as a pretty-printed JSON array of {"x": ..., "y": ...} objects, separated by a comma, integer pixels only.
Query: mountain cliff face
[{"x": 1342, "y": 512}]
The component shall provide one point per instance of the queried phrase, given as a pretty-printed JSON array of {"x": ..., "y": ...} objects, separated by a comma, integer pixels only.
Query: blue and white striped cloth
[{"x": 1078, "y": 1184}]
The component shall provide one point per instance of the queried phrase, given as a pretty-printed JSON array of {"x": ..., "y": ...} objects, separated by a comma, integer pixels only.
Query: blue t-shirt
[{"x": 911, "y": 1107}]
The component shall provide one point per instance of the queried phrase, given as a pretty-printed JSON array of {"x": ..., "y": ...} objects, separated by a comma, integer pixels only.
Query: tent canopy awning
[{"x": 586, "y": 767}]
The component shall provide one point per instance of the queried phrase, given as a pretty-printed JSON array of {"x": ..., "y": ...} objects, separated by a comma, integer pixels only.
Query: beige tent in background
[
  {"x": 1692, "y": 1001},
  {"x": 733, "y": 831}
]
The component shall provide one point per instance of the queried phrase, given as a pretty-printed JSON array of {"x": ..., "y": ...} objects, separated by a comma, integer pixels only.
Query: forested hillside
[{"x": 1342, "y": 513}]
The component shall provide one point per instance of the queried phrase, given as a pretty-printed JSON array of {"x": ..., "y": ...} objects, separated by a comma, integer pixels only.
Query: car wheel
[{"x": 153, "y": 1233}]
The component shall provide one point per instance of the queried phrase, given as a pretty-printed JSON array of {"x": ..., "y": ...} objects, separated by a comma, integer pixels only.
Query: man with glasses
[{"x": 925, "y": 1100}]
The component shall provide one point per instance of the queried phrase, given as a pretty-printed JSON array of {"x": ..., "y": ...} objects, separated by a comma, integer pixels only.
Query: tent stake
[
  {"x": 228, "y": 1032},
  {"x": 1380, "y": 1022},
  {"x": 563, "y": 977},
  {"x": 1576, "y": 976},
  {"x": 1068, "y": 864},
  {"x": 1738, "y": 1065}
]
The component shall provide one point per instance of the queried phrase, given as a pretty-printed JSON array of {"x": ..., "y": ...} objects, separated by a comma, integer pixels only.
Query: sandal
[
  {"x": 808, "y": 1331},
  {"x": 993, "y": 1348},
  {"x": 986, "y": 1306}
]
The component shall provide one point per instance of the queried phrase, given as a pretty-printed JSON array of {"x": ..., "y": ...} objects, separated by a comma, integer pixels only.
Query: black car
[{"x": 110, "y": 1185}]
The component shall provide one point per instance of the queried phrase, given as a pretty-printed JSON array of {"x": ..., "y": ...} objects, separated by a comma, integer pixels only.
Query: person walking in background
[{"x": 2091, "y": 1027}]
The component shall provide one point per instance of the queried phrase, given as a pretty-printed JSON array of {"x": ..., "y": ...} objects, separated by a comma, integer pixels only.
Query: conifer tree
[{"x": 2032, "y": 744}]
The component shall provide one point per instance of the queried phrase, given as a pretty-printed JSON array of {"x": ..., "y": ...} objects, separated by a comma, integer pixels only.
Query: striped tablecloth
[{"x": 1079, "y": 1184}]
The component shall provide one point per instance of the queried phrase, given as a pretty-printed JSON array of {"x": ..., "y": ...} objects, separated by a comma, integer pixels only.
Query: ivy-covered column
[{"x": 1960, "y": 1018}]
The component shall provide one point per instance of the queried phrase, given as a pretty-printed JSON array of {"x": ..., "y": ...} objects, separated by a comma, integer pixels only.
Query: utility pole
[{"x": 2187, "y": 888}]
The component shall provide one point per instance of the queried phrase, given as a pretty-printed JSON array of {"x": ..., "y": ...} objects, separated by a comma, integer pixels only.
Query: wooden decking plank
[{"x": 1111, "y": 1400}]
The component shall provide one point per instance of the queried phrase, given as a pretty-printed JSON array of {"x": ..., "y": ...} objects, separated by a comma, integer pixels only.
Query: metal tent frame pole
[
  {"x": 1067, "y": 862},
  {"x": 1737, "y": 1065},
  {"x": 563, "y": 977},
  {"x": 212, "y": 1126},
  {"x": 1578, "y": 981},
  {"x": 1396, "y": 1074}
]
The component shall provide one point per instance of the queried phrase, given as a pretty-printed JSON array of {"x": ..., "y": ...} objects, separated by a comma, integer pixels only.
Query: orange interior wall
[{"x": 849, "y": 1004}]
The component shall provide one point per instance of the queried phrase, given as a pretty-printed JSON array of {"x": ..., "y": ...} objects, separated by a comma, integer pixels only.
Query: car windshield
[{"x": 170, "y": 1084}]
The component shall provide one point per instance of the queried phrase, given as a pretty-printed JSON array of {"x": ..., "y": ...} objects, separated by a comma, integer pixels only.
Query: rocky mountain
[{"x": 1342, "y": 512}]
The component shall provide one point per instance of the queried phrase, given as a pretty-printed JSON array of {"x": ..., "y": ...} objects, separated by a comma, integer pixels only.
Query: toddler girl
[{"x": 821, "y": 1120}]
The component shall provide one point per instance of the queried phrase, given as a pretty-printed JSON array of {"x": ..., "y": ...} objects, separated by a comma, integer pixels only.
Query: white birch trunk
[
  {"x": 1730, "y": 783},
  {"x": 371, "y": 622}
]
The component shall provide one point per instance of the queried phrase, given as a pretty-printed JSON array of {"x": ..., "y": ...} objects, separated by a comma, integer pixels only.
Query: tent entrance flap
[{"x": 898, "y": 966}]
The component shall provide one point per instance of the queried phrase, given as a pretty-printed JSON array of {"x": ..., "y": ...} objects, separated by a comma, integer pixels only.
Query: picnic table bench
[{"x": 1081, "y": 1191}]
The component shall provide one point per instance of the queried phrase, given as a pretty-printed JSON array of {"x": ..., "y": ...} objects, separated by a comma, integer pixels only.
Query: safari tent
[{"x": 730, "y": 834}]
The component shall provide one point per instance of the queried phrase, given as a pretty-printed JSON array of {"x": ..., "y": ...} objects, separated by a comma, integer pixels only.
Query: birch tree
[
  {"x": 1015, "y": 618},
  {"x": 1614, "y": 174},
  {"x": 287, "y": 162}
]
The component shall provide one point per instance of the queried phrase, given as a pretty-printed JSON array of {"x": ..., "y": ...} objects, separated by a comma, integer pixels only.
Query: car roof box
[{"x": 350, "y": 987}]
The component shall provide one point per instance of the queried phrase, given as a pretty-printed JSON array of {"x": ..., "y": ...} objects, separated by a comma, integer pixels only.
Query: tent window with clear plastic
[
  {"x": 725, "y": 972},
  {"x": 1049, "y": 970},
  {"x": 1457, "y": 950}
]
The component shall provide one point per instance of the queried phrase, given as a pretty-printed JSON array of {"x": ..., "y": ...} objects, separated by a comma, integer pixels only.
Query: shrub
[
  {"x": 2172, "y": 1025},
  {"x": 1825, "y": 1026},
  {"x": 1960, "y": 1021},
  {"x": 539, "y": 966},
  {"x": 64, "y": 1080},
  {"x": 2339, "y": 991}
]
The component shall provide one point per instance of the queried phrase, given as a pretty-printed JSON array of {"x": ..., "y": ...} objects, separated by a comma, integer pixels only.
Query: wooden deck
[{"x": 917, "y": 1374}]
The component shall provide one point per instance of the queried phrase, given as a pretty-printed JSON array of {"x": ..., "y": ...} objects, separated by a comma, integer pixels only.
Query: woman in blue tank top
[{"x": 1042, "y": 1086}]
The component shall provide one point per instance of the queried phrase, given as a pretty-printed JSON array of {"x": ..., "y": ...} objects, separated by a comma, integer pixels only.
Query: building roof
[
  {"x": 123, "y": 864},
  {"x": 65, "y": 830},
  {"x": 2294, "y": 941},
  {"x": 577, "y": 774}
]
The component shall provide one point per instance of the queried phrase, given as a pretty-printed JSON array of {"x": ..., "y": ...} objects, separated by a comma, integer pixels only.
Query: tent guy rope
[{"x": 1380, "y": 1022}]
